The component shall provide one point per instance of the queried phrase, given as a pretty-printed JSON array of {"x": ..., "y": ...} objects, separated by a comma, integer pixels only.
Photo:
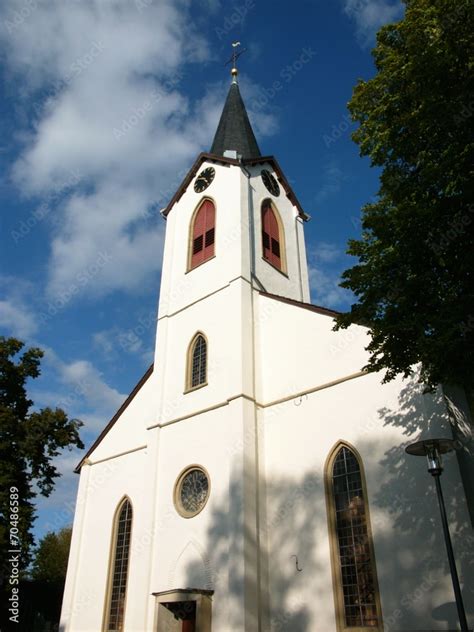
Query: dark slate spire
[{"x": 234, "y": 131}]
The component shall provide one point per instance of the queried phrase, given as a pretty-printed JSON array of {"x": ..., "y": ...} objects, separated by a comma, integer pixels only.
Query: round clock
[
  {"x": 270, "y": 182},
  {"x": 191, "y": 491},
  {"x": 204, "y": 179}
]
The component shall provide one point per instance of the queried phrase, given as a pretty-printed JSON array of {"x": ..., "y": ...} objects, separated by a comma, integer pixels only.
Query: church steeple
[{"x": 234, "y": 132}]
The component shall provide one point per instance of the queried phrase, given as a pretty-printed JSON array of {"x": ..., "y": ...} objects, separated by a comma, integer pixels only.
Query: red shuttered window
[
  {"x": 271, "y": 240},
  {"x": 203, "y": 234}
]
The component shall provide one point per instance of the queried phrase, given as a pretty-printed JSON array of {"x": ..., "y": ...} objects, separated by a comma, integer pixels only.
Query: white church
[{"x": 255, "y": 479}]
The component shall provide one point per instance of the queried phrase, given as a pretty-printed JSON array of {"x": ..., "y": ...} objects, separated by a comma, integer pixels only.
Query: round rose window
[{"x": 191, "y": 491}]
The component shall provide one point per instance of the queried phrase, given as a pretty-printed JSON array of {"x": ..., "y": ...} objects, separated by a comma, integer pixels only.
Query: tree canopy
[
  {"x": 51, "y": 556},
  {"x": 414, "y": 278},
  {"x": 29, "y": 440}
]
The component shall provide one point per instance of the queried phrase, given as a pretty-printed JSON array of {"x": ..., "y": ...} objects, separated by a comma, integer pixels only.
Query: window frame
[
  {"x": 188, "y": 387},
  {"x": 281, "y": 236},
  {"x": 189, "y": 265},
  {"x": 112, "y": 558},
  {"x": 338, "y": 591}
]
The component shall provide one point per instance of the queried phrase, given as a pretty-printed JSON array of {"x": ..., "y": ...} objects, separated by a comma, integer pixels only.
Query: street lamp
[{"x": 433, "y": 449}]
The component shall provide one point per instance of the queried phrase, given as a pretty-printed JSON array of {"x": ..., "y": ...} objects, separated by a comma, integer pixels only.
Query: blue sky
[{"x": 106, "y": 104}]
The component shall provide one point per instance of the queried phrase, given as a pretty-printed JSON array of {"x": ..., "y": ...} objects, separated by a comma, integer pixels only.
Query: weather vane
[{"x": 233, "y": 60}]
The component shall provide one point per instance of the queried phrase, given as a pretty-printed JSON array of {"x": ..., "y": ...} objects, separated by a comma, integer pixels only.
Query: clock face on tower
[
  {"x": 270, "y": 182},
  {"x": 204, "y": 179}
]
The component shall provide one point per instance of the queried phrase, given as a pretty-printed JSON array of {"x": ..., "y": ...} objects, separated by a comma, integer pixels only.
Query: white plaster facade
[{"x": 283, "y": 388}]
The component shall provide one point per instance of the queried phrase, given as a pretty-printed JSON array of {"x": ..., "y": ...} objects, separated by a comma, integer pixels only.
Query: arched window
[
  {"x": 357, "y": 598},
  {"x": 118, "y": 570},
  {"x": 272, "y": 236},
  {"x": 197, "y": 362},
  {"x": 203, "y": 229}
]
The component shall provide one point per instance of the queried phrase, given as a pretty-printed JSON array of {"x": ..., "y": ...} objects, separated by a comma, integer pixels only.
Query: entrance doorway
[{"x": 184, "y": 610}]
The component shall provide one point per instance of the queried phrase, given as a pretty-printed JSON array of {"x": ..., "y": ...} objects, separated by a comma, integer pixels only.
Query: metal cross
[{"x": 235, "y": 54}]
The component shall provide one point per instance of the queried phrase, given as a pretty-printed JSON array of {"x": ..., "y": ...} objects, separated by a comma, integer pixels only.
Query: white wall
[
  {"x": 205, "y": 551},
  {"x": 107, "y": 483},
  {"x": 297, "y": 353}
]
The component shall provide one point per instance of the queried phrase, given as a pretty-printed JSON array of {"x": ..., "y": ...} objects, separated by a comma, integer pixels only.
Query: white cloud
[
  {"x": 85, "y": 394},
  {"x": 86, "y": 380},
  {"x": 325, "y": 288},
  {"x": 326, "y": 261},
  {"x": 16, "y": 319},
  {"x": 116, "y": 113},
  {"x": 370, "y": 15},
  {"x": 326, "y": 252},
  {"x": 114, "y": 341},
  {"x": 333, "y": 178},
  {"x": 57, "y": 510},
  {"x": 105, "y": 341},
  {"x": 15, "y": 316}
]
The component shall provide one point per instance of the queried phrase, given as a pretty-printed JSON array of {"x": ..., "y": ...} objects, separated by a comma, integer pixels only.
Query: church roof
[
  {"x": 325, "y": 311},
  {"x": 234, "y": 131}
]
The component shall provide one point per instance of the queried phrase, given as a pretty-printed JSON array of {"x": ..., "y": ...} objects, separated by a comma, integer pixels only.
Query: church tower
[
  {"x": 252, "y": 222},
  {"x": 234, "y": 229}
]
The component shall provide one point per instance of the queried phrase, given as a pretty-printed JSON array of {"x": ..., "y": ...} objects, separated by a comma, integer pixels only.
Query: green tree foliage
[
  {"x": 28, "y": 443},
  {"x": 414, "y": 278},
  {"x": 50, "y": 562}
]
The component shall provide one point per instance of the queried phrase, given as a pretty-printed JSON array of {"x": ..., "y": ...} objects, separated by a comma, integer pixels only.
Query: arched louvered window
[
  {"x": 203, "y": 231},
  {"x": 272, "y": 237},
  {"x": 357, "y": 599},
  {"x": 197, "y": 362},
  {"x": 118, "y": 573}
]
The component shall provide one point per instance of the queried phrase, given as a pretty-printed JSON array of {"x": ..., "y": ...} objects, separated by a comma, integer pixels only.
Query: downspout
[{"x": 298, "y": 219}]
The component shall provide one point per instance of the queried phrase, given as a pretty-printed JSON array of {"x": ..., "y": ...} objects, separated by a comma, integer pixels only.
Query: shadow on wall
[
  {"x": 415, "y": 541},
  {"x": 293, "y": 528},
  {"x": 411, "y": 557}
]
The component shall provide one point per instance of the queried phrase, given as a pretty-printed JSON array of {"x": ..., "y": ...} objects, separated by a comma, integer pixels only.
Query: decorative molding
[{"x": 116, "y": 456}]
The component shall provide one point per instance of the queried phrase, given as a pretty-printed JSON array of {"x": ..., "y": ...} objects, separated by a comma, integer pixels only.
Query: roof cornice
[
  {"x": 204, "y": 156},
  {"x": 325, "y": 311}
]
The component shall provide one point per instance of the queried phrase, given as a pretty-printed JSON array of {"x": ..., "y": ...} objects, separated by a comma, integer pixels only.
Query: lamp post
[{"x": 433, "y": 449}]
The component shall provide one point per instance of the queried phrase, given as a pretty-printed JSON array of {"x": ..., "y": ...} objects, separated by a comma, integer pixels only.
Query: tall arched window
[
  {"x": 272, "y": 236},
  {"x": 203, "y": 229},
  {"x": 197, "y": 362},
  {"x": 353, "y": 561},
  {"x": 118, "y": 570}
]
